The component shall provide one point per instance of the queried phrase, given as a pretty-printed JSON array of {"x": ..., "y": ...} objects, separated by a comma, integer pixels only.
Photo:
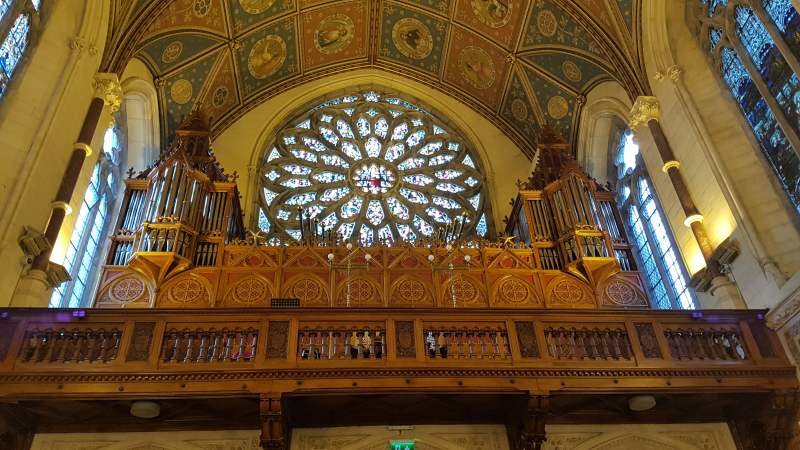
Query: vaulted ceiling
[{"x": 520, "y": 63}]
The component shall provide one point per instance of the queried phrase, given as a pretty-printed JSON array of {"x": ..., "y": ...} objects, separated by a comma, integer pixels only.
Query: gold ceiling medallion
[
  {"x": 181, "y": 91},
  {"x": 267, "y": 56},
  {"x": 519, "y": 109},
  {"x": 547, "y": 23},
  {"x": 202, "y": 7},
  {"x": 334, "y": 34},
  {"x": 557, "y": 107},
  {"x": 572, "y": 71},
  {"x": 476, "y": 67},
  {"x": 494, "y": 13},
  {"x": 172, "y": 52},
  {"x": 412, "y": 38},
  {"x": 256, "y": 6},
  {"x": 220, "y": 96}
]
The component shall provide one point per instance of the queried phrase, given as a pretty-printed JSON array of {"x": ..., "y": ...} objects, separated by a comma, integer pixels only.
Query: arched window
[
  {"x": 658, "y": 258},
  {"x": 373, "y": 168},
  {"x": 91, "y": 227},
  {"x": 757, "y": 61},
  {"x": 23, "y": 13}
]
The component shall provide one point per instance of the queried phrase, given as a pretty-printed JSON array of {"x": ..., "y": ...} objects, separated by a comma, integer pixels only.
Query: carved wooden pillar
[
  {"x": 273, "y": 436},
  {"x": 781, "y": 423},
  {"x": 534, "y": 435},
  {"x": 646, "y": 110}
]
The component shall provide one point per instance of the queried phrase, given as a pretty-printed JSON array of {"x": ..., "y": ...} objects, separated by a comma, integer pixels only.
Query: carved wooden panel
[
  {"x": 763, "y": 342},
  {"x": 528, "y": 344},
  {"x": 406, "y": 345},
  {"x": 515, "y": 291},
  {"x": 277, "y": 339},
  {"x": 409, "y": 290},
  {"x": 363, "y": 291},
  {"x": 123, "y": 291},
  {"x": 648, "y": 341},
  {"x": 6, "y": 334},
  {"x": 249, "y": 291},
  {"x": 141, "y": 342}
]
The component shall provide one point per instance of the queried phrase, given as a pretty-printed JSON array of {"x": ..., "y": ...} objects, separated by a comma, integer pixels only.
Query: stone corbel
[
  {"x": 273, "y": 430},
  {"x": 644, "y": 110},
  {"x": 106, "y": 87},
  {"x": 534, "y": 435},
  {"x": 79, "y": 44}
]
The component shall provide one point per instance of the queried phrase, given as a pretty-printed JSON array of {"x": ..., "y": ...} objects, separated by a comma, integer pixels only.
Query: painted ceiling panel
[
  {"x": 183, "y": 88},
  {"x": 556, "y": 104},
  {"x": 334, "y": 34},
  {"x": 247, "y": 14},
  {"x": 441, "y": 7},
  {"x": 498, "y": 19},
  {"x": 268, "y": 55},
  {"x": 477, "y": 67},
  {"x": 520, "y": 110},
  {"x": 551, "y": 28},
  {"x": 205, "y": 15},
  {"x": 603, "y": 14},
  {"x": 412, "y": 38},
  {"x": 221, "y": 95},
  {"x": 175, "y": 49},
  {"x": 571, "y": 70},
  {"x": 626, "y": 8}
]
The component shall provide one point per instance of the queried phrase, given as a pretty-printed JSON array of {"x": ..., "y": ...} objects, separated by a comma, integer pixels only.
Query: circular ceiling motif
[
  {"x": 572, "y": 71},
  {"x": 334, "y": 34},
  {"x": 547, "y": 23},
  {"x": 519, "y": 109},
  {"x": 267, "y": 56},
  {"x": 557, "y": 107},
  {"x": 494, "y": 13},
  {"x": 202, "y": 7},
  {"x": 181, "y": 91},
  {"x": 172, "y": 52},
  {"x": 220, "y": 96},
  {"x": 476, "y": 67},
  {"x": 256, "y": 6},
  {"x": 412, "y": 38}
]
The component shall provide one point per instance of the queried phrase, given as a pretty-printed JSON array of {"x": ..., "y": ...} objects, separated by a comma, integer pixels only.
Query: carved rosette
[
  {"x": 411, "y": 291},
  {"x": 514, "y": 291},
  {"x": 310, "y": 290},
  {"x": 362, "y": 292},
  {"x": 249, "y": 291},
  {"x": 644, "y": 110},
  {"x": 467, "y": 291},
  {"x": 125, "y": 290}
]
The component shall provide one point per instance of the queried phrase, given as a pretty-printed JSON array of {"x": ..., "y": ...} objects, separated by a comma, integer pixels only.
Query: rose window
[{"x": 371, "y": 167}]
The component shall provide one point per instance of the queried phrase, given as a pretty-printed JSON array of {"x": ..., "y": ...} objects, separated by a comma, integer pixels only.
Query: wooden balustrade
[
  {"x": 75, "y": 346},
  {"x": 598, "y": 344},
  {"x": 718, "y": 344},
  {"x": 466, "y": 342},
  {"x": 331, "y": 343},
  {"x": 209, "y": 345}
]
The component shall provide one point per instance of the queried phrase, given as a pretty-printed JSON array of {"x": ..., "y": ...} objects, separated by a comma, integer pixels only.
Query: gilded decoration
[
  {"x": 547, "y": 23},
  {"x": 181, "y": 91},
  {"x": 125, "y": 290},
  {"x": 514, "y": 291},
  {"x": 566, "y": 292},
  {"x": 476, "y": 67},
  {"x": 334, "y": 34},
  {"x": 267, "y": 56},
  {"x": 362, "y": 291},
  {"x": 188, "y": 290},
  {"x": 308, "y": 288},
  {"x": 557, "y": 107},
  {"x": 644, "y": 110},
  {"x": 172, "y": 52},
  {"x": 411, "y": 291},
  {"x": 519, "y": 109},
  {"x": 256, "y": 6},
  {"x": 466, "y": 291},
  {"x": 494, "y": 13},
  {"x": 572, "y": 71},
  {"x": 412, "y": 38},
  {"x": 619, "y": 292},
  {"x": 249, "y": 291}
]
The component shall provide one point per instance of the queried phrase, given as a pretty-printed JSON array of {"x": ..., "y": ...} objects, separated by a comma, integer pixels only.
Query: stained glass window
[
  {"x": 13, "y": 48},
  {"x": 391, "y": 193},
  {"x": 4, "y": 5},
  {"x": 263, "y": 223}
]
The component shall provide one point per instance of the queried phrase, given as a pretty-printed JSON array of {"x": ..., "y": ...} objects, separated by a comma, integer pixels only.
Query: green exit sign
[{"x": 401, "y": 445}]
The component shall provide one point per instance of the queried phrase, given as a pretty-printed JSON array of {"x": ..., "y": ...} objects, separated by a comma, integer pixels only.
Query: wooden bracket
[
  {"x": 273, "y": 435},
  {"x": 534, "y": 434},
  {"x": 782, "y": 422}
]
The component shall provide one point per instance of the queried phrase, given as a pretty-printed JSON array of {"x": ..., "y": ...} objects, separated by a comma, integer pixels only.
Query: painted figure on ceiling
[
  {"x": 332, "y": 35},
  {"x": 415, "y": 40}
]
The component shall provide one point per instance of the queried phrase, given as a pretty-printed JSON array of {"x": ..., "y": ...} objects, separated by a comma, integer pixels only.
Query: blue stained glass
[
  {"x": 348, "y": 111},
  {"x": 411, "y": 163},
  {"x": 371, "y": 97},
  {"x": 381, "y": 127},
  {"x": 337, "y": 101},
  {"x": 311, "y": 212},
  {"x": 385, "y": 234},
  {"x": 329, "y": 177},
  {"x": 344, "y": 129},
  {"x": 445, "y": 202},
  {"x": 468, "y": 162},
  {"x": 714, "y": 35},
  {"x": 627, "y": 157},
  {"x": 317, "y": 145},
  {"x": 333, "y": 195},
  {"x": 352, "y": 207},
  {"x": 475, "y": 201},
  {"x": 781, "y": 11},
  {"x": 111, "y": 180},
  {"x": 15, "y": 44},
  {"x": 274, "y": 154},
  {"x": 373, "y": 147},
  {"x": 375, "y": 213},
  {"x": 284, "y": 215},
  {"x": 626, "y": 192},
  {"x": 326, "y": 118},
  {"x": 394, "y": 152},
  {"x": 438, "y": 130},
  {"x": 289, "y": 140},
  {"x": 397, "y": 101},
  {"x": 269, "y": 196},
  {"x": 712, "y": 6},
  {"x": 333, "y": 160},
  {"x": 415, "y": 138},
  {"x": 431, "y": 148},
  {"x": 363, "y": 127},
  {"x": 452, "y": 146},
  {"x": 372, "y": 112},
  {"x": 396, "y": 208},
  {"x": 36, "y": 3},
  {"x": 480, "y": 228},
  {"x": 346, "y": 230},
  {"x": 296, "y": 234},
  {"x": 423, "y": 227},
  {"x": 471, "y": 181},
  {"x": 263, "y": 223},
  {"x": 293, "y": 183},
  {"x": 419, "y": 180},
  {"x": 414, "y": 196},
  {"x": 302, "y": 154},
  {"x": 302, "y": 199},
  {"x": 406, "y": 232},
  {"x": 400, "y": 131},
  {"x": 448, "y": 174},
  {"x": 395, "y": 113},
  {"x": 304, "y": 124},
  {"x": 650, "y": 269},
  {"x": 295, "y": 169},
  {"x": 441, "y": 159},
  {"x": 5, "y": 4},
  {"x": 754, "y": 36},
  {"x": 273, "y": 175},
  {"x": 366, "y": 235},
  {"x": 328, "y": 222},
  {"x": 449, "y": 187},
  {"x": 417, "y": 122},
  {"x": 351, "y": 150},
  {"x": 437, "y": 215}
]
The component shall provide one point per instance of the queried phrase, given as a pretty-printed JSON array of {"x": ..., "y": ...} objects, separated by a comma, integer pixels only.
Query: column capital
[
  {"x": 106, "y": 87},
  {"x": 644, "y": 110}
]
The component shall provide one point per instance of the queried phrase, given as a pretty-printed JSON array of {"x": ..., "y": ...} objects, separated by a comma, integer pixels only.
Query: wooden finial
[{"x": 130, "y": 173}]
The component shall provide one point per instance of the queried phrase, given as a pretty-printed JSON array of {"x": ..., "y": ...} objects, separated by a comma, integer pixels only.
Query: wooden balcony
[{"x": 102, "y": 353}]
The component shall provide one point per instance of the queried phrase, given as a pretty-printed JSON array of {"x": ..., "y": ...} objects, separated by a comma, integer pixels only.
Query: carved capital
[
  {"x": 644, "y": 110},
  {"x": 659, "y": 76},
  {"x": 159, "y": 82},
  {"x": 674, "y": 73},
  {"x": 580, "y": 100},
  {"x": 106, "y": 87},
  {"x": 78, "y": 44},
  {"x": 235, "y": 45}
]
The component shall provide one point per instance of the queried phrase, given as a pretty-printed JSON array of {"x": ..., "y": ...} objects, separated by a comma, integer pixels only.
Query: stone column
[{"x": 33, "y": 286}]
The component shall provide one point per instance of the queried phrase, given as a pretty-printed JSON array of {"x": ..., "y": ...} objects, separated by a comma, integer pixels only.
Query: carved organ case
[{"x": 571, "y": 220}]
